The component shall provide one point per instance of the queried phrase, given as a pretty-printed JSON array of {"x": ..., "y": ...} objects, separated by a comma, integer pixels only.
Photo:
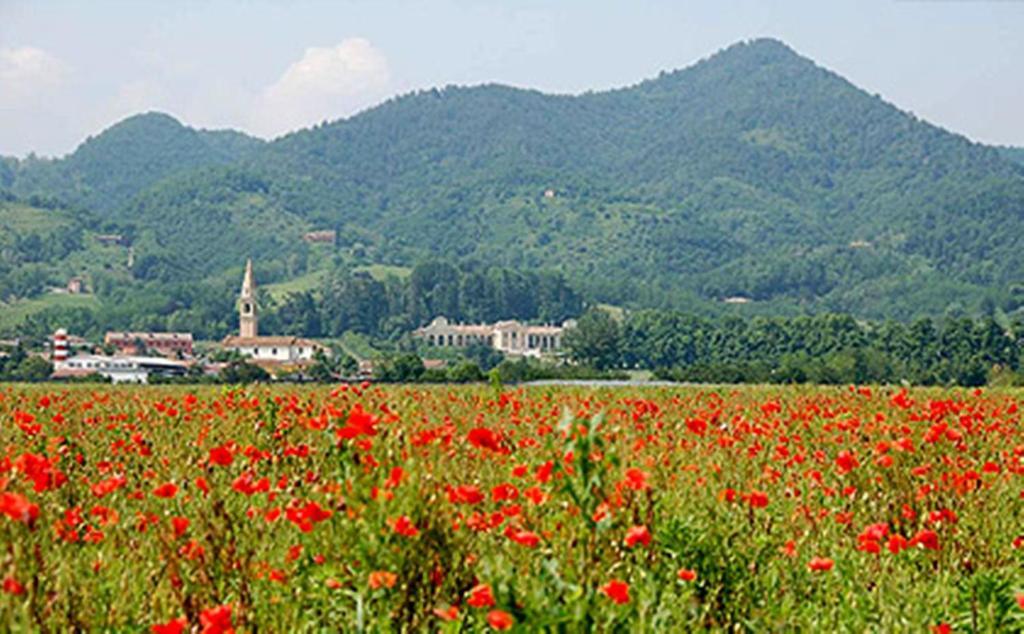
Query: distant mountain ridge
[{"x": 754, "y": 173}]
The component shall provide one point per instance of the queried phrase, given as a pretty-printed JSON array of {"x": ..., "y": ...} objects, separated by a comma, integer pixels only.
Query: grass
[
  {"x": 300, "y": 284},
  {"x": 311, "y": 281},
  {"x": 21, "y": 218},
  {"x": 14, "y": 314},
  {"x": 618, "y": 312},
  {"x": 381, "y": 272},
  {"x": 357, "y": 346}
]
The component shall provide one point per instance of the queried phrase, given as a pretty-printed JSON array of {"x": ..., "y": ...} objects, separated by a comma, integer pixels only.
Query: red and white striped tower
[{"x": 60, "y": 346}]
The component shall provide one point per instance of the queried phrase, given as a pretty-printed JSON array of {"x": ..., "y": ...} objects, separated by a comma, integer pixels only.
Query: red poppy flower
[
  {"x": 523, "y": 537},
  {"x": 846, "y": 461},
  {"x": 404, "y": 526},
  {"x": 221, "y": 456},
  {"x": 638, "y": 535},
  {"x": 480, "y": 596},
  {"x": 174, "y": 626},
  {"x": 305, "y": 515},
  {"x": 382, "y": 579},
  {"x": 395, "y": 478},
  {"x": 216, "y": 620},
  {"x": 465, "y": 494},
  {"x": 180, "y": 525},
  {"x": 359, "y": 423},
  {"x": 451, "y": 613},
  {"x": 504, "y": 492},
  {"x": 636, "y": 479},
  {"x": 500, "y": 620},
  {"x": 18, "y": 508},
  {"x": 757, "y": 499},
  {"x": 13, "y": 586},
  {"x": 820, "y": 564},
  {"x": 926, "y": 538},
  {"x": 617, "y": 591},
  {"x": 484, "y": 438},
  {"x": 167, "y": 490},
  {"x": 685, "y": 574}
]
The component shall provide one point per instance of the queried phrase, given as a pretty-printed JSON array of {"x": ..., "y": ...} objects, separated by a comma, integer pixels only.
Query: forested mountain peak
[{"x": 106, "y": 170}]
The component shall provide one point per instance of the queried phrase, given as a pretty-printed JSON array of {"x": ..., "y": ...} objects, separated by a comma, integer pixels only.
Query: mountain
[
  {"x": 105, "y": 171},
  {"x": 1015, "y": 154},
  {"x": 753, "y": 174}
]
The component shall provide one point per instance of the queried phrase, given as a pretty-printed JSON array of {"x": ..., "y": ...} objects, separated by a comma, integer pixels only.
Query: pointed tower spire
[
  {"x": 247, "y": 318},
  {"x": 248, "y": 282}
]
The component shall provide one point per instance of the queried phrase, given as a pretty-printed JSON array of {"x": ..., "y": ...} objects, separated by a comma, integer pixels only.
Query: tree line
[{"x": 830, "y": 348}]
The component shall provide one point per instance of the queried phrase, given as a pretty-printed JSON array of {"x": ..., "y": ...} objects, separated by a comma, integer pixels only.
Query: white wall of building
[{"x": 274, "y": 352}]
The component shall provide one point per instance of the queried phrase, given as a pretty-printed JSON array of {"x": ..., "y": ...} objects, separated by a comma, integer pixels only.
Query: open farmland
[{"x": 468, "y": 509}]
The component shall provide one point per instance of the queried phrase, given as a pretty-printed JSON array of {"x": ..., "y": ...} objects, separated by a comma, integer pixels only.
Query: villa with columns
[{"x": 509, "y": 336}]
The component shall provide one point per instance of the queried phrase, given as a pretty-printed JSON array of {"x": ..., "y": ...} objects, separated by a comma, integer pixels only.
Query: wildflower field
[{"x": 408, "y": 508}]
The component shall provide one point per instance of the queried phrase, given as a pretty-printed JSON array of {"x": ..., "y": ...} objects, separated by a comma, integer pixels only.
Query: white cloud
[
  {"x": 27, "y": 74},
  {"x": 327, "y": 83}
]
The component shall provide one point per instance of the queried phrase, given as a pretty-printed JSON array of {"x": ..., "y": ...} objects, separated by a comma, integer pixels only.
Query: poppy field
[{"x": 411, "y": 508}]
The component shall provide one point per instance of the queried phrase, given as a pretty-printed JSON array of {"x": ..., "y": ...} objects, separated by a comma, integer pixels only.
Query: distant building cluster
[
  {"x": 138, "y": 355},
  {"x": 510, "y": 336},
  {"x": 116, "y": 368}
]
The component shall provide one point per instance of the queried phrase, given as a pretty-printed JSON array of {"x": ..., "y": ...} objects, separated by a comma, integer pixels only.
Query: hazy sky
[{"x": 70, "y": 68}]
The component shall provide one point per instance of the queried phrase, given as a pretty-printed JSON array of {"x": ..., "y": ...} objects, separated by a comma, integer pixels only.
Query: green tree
[{"x": 596, "y": 340}]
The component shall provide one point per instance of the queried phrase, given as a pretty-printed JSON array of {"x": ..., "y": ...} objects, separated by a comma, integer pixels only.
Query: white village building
[{"x": 265, "y": 350}]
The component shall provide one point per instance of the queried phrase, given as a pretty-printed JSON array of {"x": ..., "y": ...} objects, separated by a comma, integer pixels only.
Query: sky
[{"x": 69, "y": 69}]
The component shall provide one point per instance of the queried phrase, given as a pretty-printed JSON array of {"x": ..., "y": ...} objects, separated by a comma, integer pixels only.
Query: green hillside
[
  {"x": 1015, "y": 154},
  {"x": 108, "y": 169},
  {"x": 754, "y": 175}
]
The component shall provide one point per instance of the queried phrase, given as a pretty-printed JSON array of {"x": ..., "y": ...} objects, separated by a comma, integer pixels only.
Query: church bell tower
[{"x": 247, "y": 320}]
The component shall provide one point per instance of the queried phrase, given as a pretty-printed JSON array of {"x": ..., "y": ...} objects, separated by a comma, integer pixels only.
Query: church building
[{"x": 264, "y": 350}]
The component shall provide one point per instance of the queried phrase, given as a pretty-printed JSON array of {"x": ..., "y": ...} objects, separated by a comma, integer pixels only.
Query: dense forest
[
  {"x": 752, "y": 183},
  {"x": 1015, "y": 154}
]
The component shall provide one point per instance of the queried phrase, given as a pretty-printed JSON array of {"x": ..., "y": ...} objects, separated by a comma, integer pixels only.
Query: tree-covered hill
[
  {"x": 105, "y": 171},
  {"x": 1015, "y": 154},
  {"x": 754, "y": 175}
]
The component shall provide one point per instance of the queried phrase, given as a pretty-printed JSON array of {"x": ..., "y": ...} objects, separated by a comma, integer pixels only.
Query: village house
[
  {"x": 509, "y": 336},
  {"x": 111, "y": 239},
  {"x": 321, "y": 237},
  {"x": 268, "y": 351},
  {"x": 168, "y": 344}
]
